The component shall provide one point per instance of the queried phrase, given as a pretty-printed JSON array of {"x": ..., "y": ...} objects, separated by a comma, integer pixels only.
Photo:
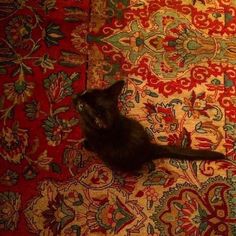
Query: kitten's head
[{"x": 98, "y": 107}]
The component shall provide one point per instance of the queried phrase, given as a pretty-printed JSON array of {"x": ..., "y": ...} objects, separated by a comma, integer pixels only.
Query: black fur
[{"x": 122, "y": 142}]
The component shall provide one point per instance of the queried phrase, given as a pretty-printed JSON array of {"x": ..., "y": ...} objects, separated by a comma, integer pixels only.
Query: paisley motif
[{"x": 185, "y": 211}]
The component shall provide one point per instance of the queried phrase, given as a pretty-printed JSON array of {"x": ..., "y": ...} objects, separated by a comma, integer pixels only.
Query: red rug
[
  {"x": 178, "y": 60},
  {"x": 41, "y": 66}
]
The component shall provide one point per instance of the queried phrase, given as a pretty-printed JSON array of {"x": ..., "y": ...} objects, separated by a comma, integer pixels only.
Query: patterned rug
[{"x": 178, "y": 58}]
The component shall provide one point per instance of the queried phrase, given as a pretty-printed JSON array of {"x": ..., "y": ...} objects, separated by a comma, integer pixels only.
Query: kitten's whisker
[{"x": 84, "y": 92}]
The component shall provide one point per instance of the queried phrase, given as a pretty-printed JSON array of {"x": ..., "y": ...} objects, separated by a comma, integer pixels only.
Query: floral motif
[
  {"x": 9, "y": 178},
  {"x": 48, "y": 5},
  {"x": 231, "y": 147},
  {"x": 162, "y": 177},
  {"x": 32, "y": 109},
  {"x": 125, "y": 182},
  {"x": 179, "y": 63},
  {"x": 117, "y": 7},
  {"x": 79, "y": 38},
  {"x": 195, "y": 214},
  {"x": 196, "y": 105},
  {"x": 108, "y": 216},
  {"x": 97, "y": 177},
  {"x": 57, "y": 129},
  {"x": 11, "y": 6},
  {"x": 59, "y": 86},
  {"x": 151, "y": 196},
  {"x": 19, "y": 30},
  {"x": 9, "y": 206},
  {"x": 183, "y": 139},
  {"x": 161, "y": 117},
  {"x": 72, "y": 158},
  {"x": 13, "y": 143},
  {"x": 19, "y": 91},
  {"x": 58, "y": 215},
  {"x": 61, "y": 209},
  {"x": 46, "y": 63},
  {"x": 30, "y": 172}
]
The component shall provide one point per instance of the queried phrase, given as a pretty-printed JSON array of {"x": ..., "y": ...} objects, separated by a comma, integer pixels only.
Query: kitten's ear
[{"x": 115, "y": 89}]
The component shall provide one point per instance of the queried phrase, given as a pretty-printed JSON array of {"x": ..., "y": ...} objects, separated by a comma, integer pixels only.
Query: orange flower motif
[
  {"x": 151, "y": 194},
  {"x": 79, "y": 38},
  {"x": 161, "y": 117},
  {"x": 196, "y": 105}
]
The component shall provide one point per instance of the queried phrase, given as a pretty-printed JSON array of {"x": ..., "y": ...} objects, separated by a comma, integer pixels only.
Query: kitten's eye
[{"x": 80, "y": 107}]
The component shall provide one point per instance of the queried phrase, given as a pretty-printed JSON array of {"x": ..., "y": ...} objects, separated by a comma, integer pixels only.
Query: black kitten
[{"x": 119, "y": 141}]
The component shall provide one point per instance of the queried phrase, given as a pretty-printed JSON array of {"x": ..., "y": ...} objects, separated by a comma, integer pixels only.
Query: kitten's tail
[{"x": 175, "y": 152}]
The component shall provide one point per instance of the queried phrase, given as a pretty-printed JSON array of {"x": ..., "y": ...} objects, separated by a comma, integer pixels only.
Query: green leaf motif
[
  {"x": 155, "y": 178},
  {"x": 151, "y": 94},
  {"x": 61, "y": 110},
  {"x": 32, "y": 109},
  {"x": 55, "y": 167},
  {"x": 162, "y": 138},
  {"x": 136, "y": 81},
  {"x": 230, "y": 128},
  {"x": 53, "y": 35},
  {"x": 203, "y": 226},
  {"x": 215, "y": 82},
  {"x": 73, "y": 122},
  {"x": 48, "y": 5},
  {"x": 45, "y": 63},
  {"x": 199, "y": 128},
  {"x": 202, "y": 212},
  {"x": 219, "y": 115},
  {"x": 75, "y": 76},
  {"x": 75, "y": 14},
  {"x": 175, "y": 101},
  {"x": 180, "y": 164},
  {"x": 137, "y": 97}
]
